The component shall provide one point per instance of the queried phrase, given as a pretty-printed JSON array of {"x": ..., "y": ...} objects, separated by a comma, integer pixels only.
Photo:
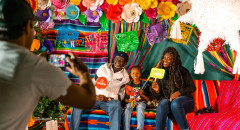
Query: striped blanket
[
  {"x": 89, "y": 42},
  {"x": 228, "y": 116}
]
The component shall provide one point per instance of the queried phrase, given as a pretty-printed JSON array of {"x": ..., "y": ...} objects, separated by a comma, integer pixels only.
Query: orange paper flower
[
  {"x": 35, "y": 45},
  {"x": 166, "y": 10},
  {"x": 124, "y": 2}
]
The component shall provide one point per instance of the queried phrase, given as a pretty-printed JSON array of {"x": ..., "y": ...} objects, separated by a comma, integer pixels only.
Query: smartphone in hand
[{"x": 58, "y": 60}]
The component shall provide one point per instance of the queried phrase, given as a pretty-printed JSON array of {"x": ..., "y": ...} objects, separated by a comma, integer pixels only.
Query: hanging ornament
[
  {"x": 156, "y": 33},
  {"x": 127, "y": 41}
]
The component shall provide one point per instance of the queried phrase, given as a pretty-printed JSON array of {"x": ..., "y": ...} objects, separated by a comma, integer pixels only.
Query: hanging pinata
[{"x": 127, "y": 41}]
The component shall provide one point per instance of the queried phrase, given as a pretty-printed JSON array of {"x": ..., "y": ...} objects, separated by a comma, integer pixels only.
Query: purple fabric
[
  {"x": 77, "y": 22},
  {"x": 156, "y": 33}
]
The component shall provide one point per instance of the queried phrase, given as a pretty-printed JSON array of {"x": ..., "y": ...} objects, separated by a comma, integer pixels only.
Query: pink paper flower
[
  {"x": 92, "y": 4},
  {"x": 151, "y": 13}
]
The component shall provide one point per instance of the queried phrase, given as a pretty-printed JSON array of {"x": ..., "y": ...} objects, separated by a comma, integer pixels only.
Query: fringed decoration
[
  {"x": 199, "y": 64},
  {"x": 236, "y": 67},
  {"x": 176, "y": 30}
]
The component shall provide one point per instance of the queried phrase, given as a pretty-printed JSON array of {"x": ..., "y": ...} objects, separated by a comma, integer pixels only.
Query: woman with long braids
[{"x": 174, "y": 91}]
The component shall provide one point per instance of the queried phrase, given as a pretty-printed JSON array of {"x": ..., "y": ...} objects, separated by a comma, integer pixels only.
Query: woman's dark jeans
[{"x": 178, "y": 108}]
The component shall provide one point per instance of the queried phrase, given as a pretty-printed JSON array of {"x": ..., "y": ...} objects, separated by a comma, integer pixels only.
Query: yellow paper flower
[
  {"x": 166, "y": 10},
  {"x": 146, "y": 4},
  {"x": 75, "y": 2},
  {"x": 154, "y": 4},
  {"x": 114, "y": 2},
  {"x": 35, "y": 45}
]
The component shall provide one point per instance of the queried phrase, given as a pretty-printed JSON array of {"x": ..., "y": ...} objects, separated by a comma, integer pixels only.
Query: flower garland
[{"x": 114, "y": 10}]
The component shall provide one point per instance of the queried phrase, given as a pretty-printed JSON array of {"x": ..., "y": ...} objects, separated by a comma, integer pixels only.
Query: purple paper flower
[
  {"x": 93, "y": 16},
  {"x": 47, "y": 44},
  {"x": 45, "y": 15}
]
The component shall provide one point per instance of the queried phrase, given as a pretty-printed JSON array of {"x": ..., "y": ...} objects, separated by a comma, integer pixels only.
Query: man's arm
[{"x": 80, "y": 96}]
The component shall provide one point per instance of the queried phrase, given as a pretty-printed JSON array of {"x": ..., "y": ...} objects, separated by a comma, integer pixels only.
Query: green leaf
[
  {"x": 144, "y": 18},
  {"x": 158, "y": 16},
  {"x": 175, "y": 17},
  {"x": 82, "y": 19},
  {"x": 104, "y": 21}
]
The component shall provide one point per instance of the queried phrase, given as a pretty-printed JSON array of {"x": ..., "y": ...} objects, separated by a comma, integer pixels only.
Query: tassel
[
  {"x": 199, "y": 64},
  {"x": 236, "y": 67},
  {"x": 176, "y": 30}
]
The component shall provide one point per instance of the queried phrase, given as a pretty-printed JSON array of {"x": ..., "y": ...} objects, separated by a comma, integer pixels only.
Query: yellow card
[{"x": 157, "y": 73}]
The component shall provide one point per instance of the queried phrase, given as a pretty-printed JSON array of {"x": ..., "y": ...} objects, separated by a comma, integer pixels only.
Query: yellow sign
[{"x": 157, "y": 73}]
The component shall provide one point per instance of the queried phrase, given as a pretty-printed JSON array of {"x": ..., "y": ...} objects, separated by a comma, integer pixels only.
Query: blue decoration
[{"x": 66, "y": 38}]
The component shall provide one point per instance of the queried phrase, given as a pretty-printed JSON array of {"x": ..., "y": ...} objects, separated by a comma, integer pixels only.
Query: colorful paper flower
[
  {"x": 72, "y": 12},
  {"x": 114, "y": 2},
  {"x": 92, "y": 4},
  {"x": 131, "y": 12},
  {"x": 45, "y": 15},
  {"x": 43, "y": 4},
  {"x": 48, "y": 45},
  {"x": 166, "y": 10},
  {"x": 35, "y": 45},
  {"x": 104, "y": 6},
  {"x": 114, "y": 13},
  {"x": 46, "y": 26},
  {"x": 176, "y": 2},
  {"x": 183, "y": 8},
  {"x": 173, "y": 1},
  {"x": 93, "y": 16},
  {"x": 146, "y": 4},
  {"x": 75, "y": 2},
  {"x": 124, "y": 2},
  {"x": 82, "y": 8},
  {"x": 60, "y": 4},
  {"x": 151, "y": 13}
]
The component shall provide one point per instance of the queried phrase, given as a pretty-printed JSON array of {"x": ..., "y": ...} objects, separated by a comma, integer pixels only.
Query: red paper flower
[
  {"x": 114, "y": 13},
  {"x": 82, "y": 8},
  {"x": 151, "y": 13},
  {"x": 104, "y": 6}
]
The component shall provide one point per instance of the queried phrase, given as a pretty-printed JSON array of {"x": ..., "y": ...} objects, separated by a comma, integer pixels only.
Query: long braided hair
[{"x": 175, "y": 67}]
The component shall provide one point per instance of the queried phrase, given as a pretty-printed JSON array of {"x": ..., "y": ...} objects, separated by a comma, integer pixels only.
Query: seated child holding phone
[{"x": 135, "y": 98}]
